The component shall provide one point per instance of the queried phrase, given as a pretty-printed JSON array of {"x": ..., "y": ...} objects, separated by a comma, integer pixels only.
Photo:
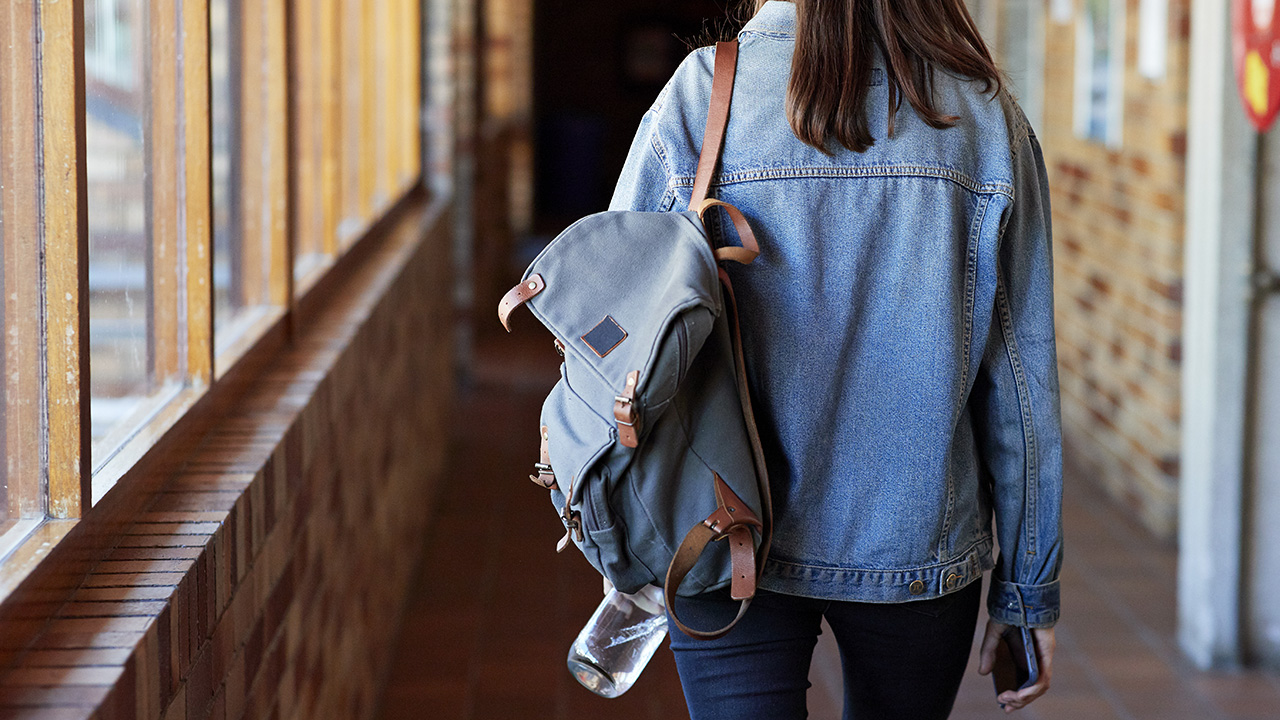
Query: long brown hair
[{"x": 831, "y": 68}]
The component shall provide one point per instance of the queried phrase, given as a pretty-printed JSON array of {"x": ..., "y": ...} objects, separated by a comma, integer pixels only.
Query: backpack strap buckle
[
  {"x": 624, "y": 411},
  {"x": 543, "y": 475},
  {"x": 572, "y": 526},
  {"x": 572, "y": 521}
]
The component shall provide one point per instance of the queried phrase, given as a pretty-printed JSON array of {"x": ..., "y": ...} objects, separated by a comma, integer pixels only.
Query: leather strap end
[
  {"x": 742, "y": 561},
  {"x": 750, "y": 249},
  {"x": 685, "y": 558},
  {"x": 736, "y": 254},
  {"x": 625, "y": 413},
  {"x": 517, "y": 296}
]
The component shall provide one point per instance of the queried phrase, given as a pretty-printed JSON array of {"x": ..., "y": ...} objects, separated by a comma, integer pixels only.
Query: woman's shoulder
[{"x": 691, "y": 79}]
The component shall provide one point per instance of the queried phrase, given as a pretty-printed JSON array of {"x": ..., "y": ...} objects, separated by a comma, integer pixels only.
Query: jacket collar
[{"x": 777, "y": 16}]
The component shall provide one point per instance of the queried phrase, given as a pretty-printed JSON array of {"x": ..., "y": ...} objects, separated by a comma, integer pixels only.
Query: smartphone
[{"x": 1016, "y": 665}]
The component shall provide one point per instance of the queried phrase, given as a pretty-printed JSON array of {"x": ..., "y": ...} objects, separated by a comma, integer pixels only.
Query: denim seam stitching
[
  {"x": 768, "y": 34},
  {"x": 975, "y": 237},
  {"x": 660, "y": 150},
  {"x": 1031, "y": 482},
  {"x": 972, "y": 549},
  {"x": 669, "y": 194},
  {"x": 862, "y": 172}
]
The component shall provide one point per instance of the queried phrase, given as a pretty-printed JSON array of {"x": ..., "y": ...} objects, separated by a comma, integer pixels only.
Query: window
[
  {"x": 218, "y": 148},
  {"x": 1153, "y": 37},
  {"x": 984, "y": 16},
  {"x": 46, "y": 450},
  {"x": 135, "y": 331},
  {"x": 21, "y": 395},
  {"x": 1100, "y": 66},
  {"x": 250, "y": 248},
  {"x": 1022, "y": 51},
  {"x": 315, "y": 136}
]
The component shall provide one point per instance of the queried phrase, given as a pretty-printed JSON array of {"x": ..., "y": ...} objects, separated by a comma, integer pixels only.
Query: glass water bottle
[{"x": 617, "y": 642}]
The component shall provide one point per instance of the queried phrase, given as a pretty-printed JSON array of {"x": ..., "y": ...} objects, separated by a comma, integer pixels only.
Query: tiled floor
[{"x": 495, "y": 609}]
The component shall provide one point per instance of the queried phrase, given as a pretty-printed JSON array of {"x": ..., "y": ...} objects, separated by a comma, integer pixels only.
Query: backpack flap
[{"x": 623, "y": 308}]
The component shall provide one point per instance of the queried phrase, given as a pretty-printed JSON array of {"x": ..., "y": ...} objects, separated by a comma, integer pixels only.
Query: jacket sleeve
[
  {"x": 645, "y": 180},
  {"x": 1016, "y": 407}
]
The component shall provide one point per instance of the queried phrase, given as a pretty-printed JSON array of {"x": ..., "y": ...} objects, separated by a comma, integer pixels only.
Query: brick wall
[
  {"x": 1118, "y": 224},
  {"x": 264, "y": 575}
]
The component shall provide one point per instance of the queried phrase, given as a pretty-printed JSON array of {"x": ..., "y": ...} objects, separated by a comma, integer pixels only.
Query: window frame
[
  {"x": 1117, "y": 51},
  {"x": 181, "y": 214},
  {"x": 23, "y": 432},
  {"x": 178, "y": 147},
  {"x": 1027, "y": 75}
]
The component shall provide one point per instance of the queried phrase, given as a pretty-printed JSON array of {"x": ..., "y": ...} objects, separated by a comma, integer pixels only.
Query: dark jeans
[{"x": 900, "y": 661}]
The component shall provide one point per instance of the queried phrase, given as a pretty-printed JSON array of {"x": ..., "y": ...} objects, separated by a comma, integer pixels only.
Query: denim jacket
[{"x": 898, "y": 328}]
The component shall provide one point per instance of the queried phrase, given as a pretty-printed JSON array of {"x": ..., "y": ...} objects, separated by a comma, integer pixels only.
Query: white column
[{"x": 1221, "y": 197}]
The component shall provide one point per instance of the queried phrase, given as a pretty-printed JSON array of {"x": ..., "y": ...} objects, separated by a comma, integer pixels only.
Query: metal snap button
[
  {"x": 917, "y": 587},
  {"x": 952, "y": 579}
]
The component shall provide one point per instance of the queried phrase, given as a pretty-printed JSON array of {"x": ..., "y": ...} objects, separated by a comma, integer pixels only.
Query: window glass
[
  {"x": 1022, "y": 51},
  {"x": 247, "y": 65},
  {"x": 310, "y": 123},
  {"x": 226, "y": 292},
  {"x": 984, "y": 16},
  {"x": 1099, "y": 85},
  {"x": 131, "y": 364},
  {"x": 354, "y": 159}
]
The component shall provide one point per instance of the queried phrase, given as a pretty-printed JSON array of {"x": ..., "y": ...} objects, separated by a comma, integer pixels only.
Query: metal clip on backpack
[{"x": 649, "y": 431}]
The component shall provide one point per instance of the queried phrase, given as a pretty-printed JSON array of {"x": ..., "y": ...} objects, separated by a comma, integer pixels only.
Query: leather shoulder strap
[
  {"x": 747, "y": 570},
  {"x": 717, "y": 119}
]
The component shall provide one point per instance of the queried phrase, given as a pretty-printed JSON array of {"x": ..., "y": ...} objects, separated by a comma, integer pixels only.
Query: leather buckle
[
  {"x": 543, "y": 476},
  {"x": 624, "y": 412},
  {"x": 629, "y": 411},
  {"x": 572, "y": 526}
]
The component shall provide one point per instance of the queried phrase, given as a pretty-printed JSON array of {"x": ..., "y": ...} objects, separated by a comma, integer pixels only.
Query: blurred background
[
  {"x": 512, "y": 118},
  {"x": 1167, "y": 248}
]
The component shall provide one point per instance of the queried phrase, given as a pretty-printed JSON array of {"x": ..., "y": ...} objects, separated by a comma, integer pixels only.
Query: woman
[{"x": 899, "y": 331}]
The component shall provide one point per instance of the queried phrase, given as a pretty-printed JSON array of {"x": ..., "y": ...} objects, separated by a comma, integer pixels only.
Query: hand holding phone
[
  {"x": 1016, "y": 665},
  {"x": 1019, "y": 661}
]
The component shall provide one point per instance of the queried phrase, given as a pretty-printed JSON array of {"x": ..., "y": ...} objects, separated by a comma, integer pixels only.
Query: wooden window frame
[
  {"x": 57, "y": 451},
  {"x": 23, "y": 434},
  {"x": 263, "y": 254},
  {"x": 179, "y": 161}
]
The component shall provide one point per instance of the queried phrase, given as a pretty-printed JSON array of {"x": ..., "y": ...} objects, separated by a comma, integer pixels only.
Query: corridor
[
  {"x": 494, "y": 609},
  {"x": 266, "y": 445}
]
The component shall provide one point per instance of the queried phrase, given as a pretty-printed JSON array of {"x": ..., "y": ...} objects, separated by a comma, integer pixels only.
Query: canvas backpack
[{"x": 648, "y": 443}]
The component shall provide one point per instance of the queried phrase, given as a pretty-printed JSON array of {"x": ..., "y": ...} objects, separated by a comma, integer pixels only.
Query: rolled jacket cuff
[{"x": 1035, "y": 606}]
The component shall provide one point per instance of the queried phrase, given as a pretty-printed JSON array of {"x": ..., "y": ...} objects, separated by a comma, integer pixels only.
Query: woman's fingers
[
  {"x": 1046, "y": 642},
  {"x": 1016, "y": 700},
  {"x": 987, "y": 655}
]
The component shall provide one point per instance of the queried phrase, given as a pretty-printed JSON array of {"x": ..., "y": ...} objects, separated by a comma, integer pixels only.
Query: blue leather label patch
[{"x": 604, "y": 337}]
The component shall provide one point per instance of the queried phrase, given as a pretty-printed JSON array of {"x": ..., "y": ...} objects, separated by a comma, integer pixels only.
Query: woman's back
[
  {"x": 868, "y": 315},
  {"x": 898, "y": 327}
]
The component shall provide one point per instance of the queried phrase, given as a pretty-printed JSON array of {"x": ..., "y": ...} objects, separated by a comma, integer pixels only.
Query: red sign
[{"x": 1256, "y": 50}]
